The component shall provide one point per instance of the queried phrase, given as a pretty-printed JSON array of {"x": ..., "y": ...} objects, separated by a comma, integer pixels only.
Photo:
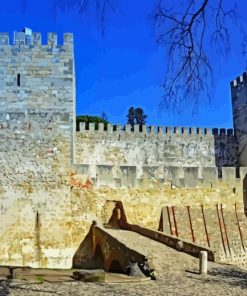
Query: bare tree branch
[
  {"x": 188, "y": 65},
  {"x": 188, "y": 29},
  {"x": 244, "y": 44}
]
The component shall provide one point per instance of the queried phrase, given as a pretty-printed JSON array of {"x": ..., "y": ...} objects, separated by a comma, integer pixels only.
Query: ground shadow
[
  {"x": 4, "y": 287},
  {"x": 232, "y": 276}
]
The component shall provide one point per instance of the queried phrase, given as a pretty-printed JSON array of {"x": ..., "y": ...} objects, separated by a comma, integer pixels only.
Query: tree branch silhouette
[
  {"x": 189, "y": 30},
  {"x": 185, "y": 34}
]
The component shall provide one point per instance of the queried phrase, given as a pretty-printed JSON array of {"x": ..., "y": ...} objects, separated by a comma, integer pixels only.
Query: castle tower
[
  {"x": 37, "y": 109},
  {"x": 239, "y": 109}
]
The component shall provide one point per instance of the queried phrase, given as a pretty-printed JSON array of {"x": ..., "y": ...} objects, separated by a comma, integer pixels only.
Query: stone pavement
[
  {"x": 221, "y": 281},
  {"x": 177, "y": 275}
]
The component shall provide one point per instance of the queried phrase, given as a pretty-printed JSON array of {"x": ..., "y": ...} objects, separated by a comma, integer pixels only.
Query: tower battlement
[
  {"x": 134, "y": 176},
  {"x": 34, "y": 75},
  {"x": 240, "y": 80},
  {"x": 239, "y": 110},
  {"x": 36, "y": 39},
  {"x": 154, "y": 130}
]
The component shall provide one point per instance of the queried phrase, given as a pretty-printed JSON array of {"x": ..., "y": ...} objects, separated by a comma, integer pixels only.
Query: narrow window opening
[{"x": 18, "y": 79}]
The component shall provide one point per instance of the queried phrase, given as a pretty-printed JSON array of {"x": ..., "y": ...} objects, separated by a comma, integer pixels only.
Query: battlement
[
  {"x": 136, "y": 176},
  {"x": 36, "y": 40},
  {"x": 159, "y": 130},
  {"x": 240, "y": 80}
]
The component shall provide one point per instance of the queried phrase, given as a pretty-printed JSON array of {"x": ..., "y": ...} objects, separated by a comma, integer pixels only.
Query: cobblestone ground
[
  {"x": 177, "y": 275},
  {"x": 220, "y": 281}
]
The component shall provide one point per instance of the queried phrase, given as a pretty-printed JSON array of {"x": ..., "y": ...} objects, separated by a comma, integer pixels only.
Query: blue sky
[{"x": 125, "y": 67}]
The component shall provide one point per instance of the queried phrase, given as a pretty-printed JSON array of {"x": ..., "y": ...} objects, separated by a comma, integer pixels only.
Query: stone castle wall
[
  {"x": 36, "y": 127},
  {"x": 154, "y": 146},
  {"x": 239, "y": 109},
  {"x": 55, "y": 182},
  {"x": 143, "y": 206},
  {"x": 96, "y": 176}
]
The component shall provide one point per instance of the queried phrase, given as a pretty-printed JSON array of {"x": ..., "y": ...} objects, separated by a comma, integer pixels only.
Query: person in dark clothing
[
  {"x": 141, "y": 268},
  {"x": 146, "y": 270}
]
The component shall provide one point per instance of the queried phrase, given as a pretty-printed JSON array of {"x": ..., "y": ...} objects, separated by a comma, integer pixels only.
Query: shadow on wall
[
  {"x": 84, "y": 255},
  {"x": 226, "y": 148},
  {"x": 245, "y": 194},
  {"x": 115, "y": 266},
  {"x": 98, "y": 258}
]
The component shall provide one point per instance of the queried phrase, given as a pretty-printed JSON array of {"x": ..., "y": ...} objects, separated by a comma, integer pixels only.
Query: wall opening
[
  {"x": 18, "y": 79},
  {"x": 37, "y": 238},
  {"x": 98, "y": 258},
  {"x": 116, "y": 267}
]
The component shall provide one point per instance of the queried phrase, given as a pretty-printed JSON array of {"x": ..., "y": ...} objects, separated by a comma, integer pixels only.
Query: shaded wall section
[
  {"x": 226, "y": 145},
  {"x": 239, "y": 109}
]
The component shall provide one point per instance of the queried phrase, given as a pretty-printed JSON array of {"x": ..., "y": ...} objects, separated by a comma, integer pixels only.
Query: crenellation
[
  {"x": 210, "y": 173},
  {"x": 222, "y": 132},
  {"x": 68, "y": 39},
  {"x": 169, "y": 130},
  {"x": 230, "y": 132},
  {"x": 215, "y": 131},
  {"x": 37, "y": 38},
  {"x": 175, "y": 147},
  {"x": 177, "y": 130},
  {"x": 191, "y": 176},
  {"x": 185, "y": 131},
  {"x": 136, "y": 128},
  {"x": 35, "y": 42},
  {"x": 101, "y": 127},
  {"x": 144, "y": 129},
  {"x": 192, "y": 131},
  {"x": 128, "y": 176},
  {"x": 152, "y": 129},
  {"x": 229, "y": 173},
  {"x": 239, "y": 81},
  {"x": 161, "y": 130},
  {"x": 242, "y": 172},
  {"x": 4, "y": 38},
  {"x": 119, "y": 128},
  {"x": 104, "y": 175},
  {"x": 109, "y": 128},
  {"x": 199, "y": 131},
  {"x": 127, "y": 128},
  {"x": 184, "y": 177},
  {"x": 92, "y": 127},
  {"x": 52, "y": 39}
]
